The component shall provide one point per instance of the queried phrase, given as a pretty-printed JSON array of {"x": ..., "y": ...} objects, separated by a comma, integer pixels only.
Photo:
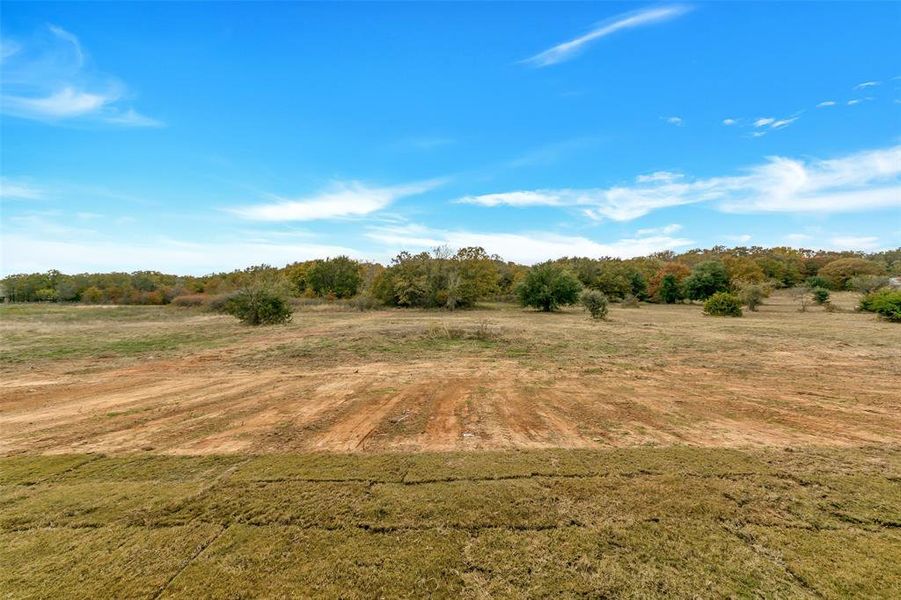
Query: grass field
[{"x": 162, "y": 452}]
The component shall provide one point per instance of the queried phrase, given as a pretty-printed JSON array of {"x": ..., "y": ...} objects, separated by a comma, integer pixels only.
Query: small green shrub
[
  {"x": 595, "y": 303},
  {"x": 817, "y": 281},
  {"x": 752, "y": 295},
  {"x": 723, "y": 304},
  {"x": 885, "y": 303},
  {"x": 259, "y": 306},
  {"x": 820, "y": 295}
]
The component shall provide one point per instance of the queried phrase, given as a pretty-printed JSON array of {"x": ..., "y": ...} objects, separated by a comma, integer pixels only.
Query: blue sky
[{"x": 200, "y": 137}]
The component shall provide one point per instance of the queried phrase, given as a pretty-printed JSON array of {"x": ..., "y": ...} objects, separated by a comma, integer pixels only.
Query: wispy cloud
[
  {"x": 764, "y": 125},
  {"x": 857, "y": 182},
  {"x": 729, "y": 122},
  {"x": 640, "y": 18},
  {"x": 677, "y": 121},
  {"x": 826, "y": 103},
  {"x": 51, "y": 79},
  {"x": 341, "y": 200},
  {"x": 855, "y": 242},
  {"x": 11, "y": 189},
  {"x": 527, "y": 247},
  {"x": 665, "y": 230},
  {"x": 866, "y": 84}
]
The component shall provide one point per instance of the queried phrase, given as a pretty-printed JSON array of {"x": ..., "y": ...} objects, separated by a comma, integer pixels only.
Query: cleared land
[{"x": 161, "y": 452}]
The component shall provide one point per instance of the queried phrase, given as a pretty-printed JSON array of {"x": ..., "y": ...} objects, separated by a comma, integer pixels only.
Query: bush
[
  {"x": 723, "y": 304},
  {"x": 259, "y": 306},
  {"x": 595, "y": 303},
  {"x": 548, "y": 286},
  {"x": 866, "y": 284},
  {"x": 820, "y": 295},
  {"x": 189, "y": 300},
  {"x": 752, "y": 295},
  {"x": 630, "y": 301},
  {"x": 364, "y": 302},
  {"x": 816, "y": 281},
  {"x": 885, "y": 303}
]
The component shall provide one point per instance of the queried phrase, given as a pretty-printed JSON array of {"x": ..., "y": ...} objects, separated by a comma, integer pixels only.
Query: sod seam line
[{"x": 196, "y": 555}]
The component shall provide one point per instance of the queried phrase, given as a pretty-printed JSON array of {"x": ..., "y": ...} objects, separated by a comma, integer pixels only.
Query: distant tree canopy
[
  {"x": 440, "y": 279},
  {"x": 459, "y": 279}
]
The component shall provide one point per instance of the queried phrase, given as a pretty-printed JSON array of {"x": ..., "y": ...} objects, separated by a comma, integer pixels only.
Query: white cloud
[
  {"x": 855, "y": 101},
  {"x": 729, "y": 121},
  {"x": 857, "y": 182},
  {"x": 866, "y": 84},
  {"x": 798, "y": 237},
  {"x": 739, "y": 238},
  {"x": 351, "y": 199},
  {"x": 856, "y": 242},
  {"x": 659, "y": 176},
  {"x": 766, "y": 124},
  {"x": 11, "y": 189},
  {"x": 826, "y": 103},
  {"x": 67, "y": 102},
  {"x": 523, "y": 247},
  {"x": 53, "y": 81},
  {"x": 665, "y": 230},
  {"x": 677, "y": 121},
  {"x": 570, "y": 49}
]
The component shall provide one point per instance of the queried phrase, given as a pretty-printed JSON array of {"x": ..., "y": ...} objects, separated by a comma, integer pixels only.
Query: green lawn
[{"x": 680, "y": 522}]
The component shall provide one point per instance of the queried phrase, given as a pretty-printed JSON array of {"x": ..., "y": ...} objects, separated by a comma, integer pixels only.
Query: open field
[
  {"x": 123, "y": 379},
  {"x": 162, "y": 452}
]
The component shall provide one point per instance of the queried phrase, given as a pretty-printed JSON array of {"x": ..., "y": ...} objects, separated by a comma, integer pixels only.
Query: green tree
[
  {"x": 339, "y": 277},
  {"x": 706, "y": 279},
  {"x": 671, "y": 289},
  {"x": 259, "y": 305},
  {"x": 548, "y": 286},
  {"x": 840, "y": 271}
]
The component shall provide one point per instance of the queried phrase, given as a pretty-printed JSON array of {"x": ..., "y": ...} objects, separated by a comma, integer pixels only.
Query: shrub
[
  {"x": 866, "y": 284},
  {"x": 219, "y": 303},
  {"x": 723, "y": 304},
  {"x": 595, "y": 303},
  {"x": 820, "y": 295},
  {"x": 259, "y": 306},
  {"x": 548, "y": 286},
  {"x": 364, "y": 302},
  {"x": 631, "y": 301},
  {"x": 189, "y": 300},
  {"x": 706, "y": 279},
  {"x": 752, "y": 295},
  {"x": 816, "y": 281},
  {"x": 885, "y": 303}
]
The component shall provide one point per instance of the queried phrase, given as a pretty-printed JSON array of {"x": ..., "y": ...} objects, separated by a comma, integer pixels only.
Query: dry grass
[{"x": 629, "y": 523}]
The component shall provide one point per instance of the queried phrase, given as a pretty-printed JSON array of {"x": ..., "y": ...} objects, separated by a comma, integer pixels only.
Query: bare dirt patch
[{"x": 415, "y": 380}]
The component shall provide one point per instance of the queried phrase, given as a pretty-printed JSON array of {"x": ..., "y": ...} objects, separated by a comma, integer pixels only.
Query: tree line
[{"x": 447, "y": 279}]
